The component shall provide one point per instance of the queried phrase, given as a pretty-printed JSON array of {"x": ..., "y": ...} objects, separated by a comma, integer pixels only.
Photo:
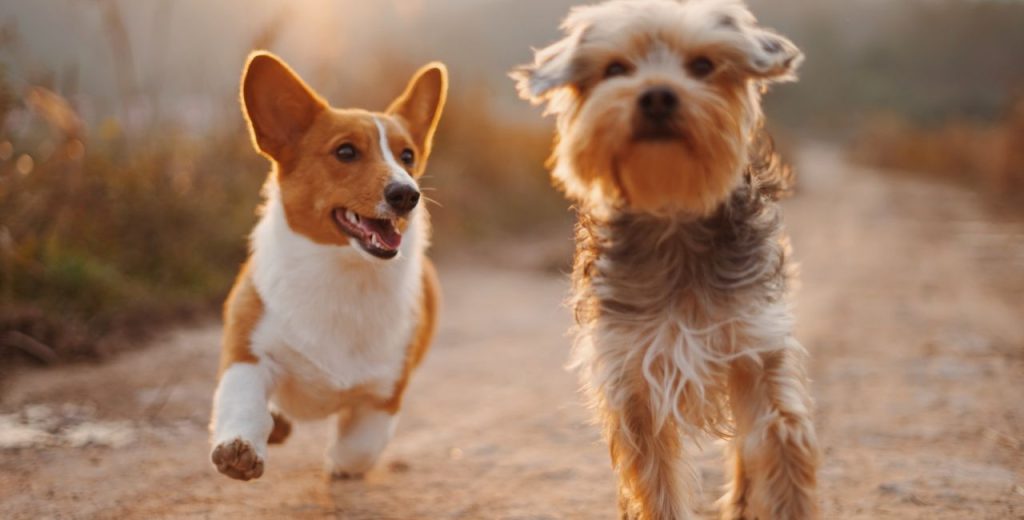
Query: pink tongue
[{"x": 389, "y": 236}]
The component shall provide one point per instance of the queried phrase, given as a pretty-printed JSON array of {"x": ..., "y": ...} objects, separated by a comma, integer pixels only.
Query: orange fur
[
  {"x": 426, "y": 326},
  {"x": 282, "y": 429},
  {"x": 646, "y": 459},
  {"x": 312, "y": 181},
  {"x": 301, "y": 134},
  {"x": 242, "y": 311},
  {"x": 420, "y": 106},
  {"x": 658, "y": 105},
  {"x": 775, "y": 451},
  {"x": 425, "y": 329},
  {"x": 297, "y": 130}
]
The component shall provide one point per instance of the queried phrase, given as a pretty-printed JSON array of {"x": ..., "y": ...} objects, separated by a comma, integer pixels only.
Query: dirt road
[{"x": 912, "y": 306}]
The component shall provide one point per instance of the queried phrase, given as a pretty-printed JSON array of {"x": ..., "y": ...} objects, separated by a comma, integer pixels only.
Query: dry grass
[
  {"x": 108, "y": 230},
  {"x": 487, "y": 174},
  {"x": 101, "y": 231},
  {"x": 988, "y": 157}
]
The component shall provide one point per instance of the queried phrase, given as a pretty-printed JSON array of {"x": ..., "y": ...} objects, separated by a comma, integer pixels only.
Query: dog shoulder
[
  {"x": 428, "y": 313},
  {"x": 242, "y": 312},
  {"x": 423, "y": 334}
]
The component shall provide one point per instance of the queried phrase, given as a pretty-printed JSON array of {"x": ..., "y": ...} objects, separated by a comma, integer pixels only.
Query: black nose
[
  {"x": 658, "y": 103},
  {"x": 402, "y": 197}
]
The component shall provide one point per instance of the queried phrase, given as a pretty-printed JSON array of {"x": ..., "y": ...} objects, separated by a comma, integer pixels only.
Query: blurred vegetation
[
  {"x": 108, "y": 232},
  {"x": 128, "y": 186},
  {"x": 987, "y": 156},
  {"x": 938, "y": 92},
  {"x": 929, "y": 87},
  {"x": 926, "y": 61},
  {"x": 103, "y": 231}
]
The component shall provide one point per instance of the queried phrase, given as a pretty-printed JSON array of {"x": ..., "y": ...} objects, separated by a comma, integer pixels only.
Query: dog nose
[
  {"x": 658, "y": 103},
  {"x": 401, "y": 197}
]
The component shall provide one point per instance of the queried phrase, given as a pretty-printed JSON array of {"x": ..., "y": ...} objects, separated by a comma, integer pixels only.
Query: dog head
[
  {"x": 346, "y": 177},
  {"x": 657, "y": 100}
]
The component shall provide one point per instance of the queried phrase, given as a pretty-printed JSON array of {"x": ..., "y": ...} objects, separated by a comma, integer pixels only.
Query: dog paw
[
  {"x": 347, "y": 463},
  {"x": 237, "y": 459},
  {"x": 348, "y": 466}
]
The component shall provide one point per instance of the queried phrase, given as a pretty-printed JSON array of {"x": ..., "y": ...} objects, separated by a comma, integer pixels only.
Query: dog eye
[
  {"x": 616, "y": 68},
  {"x": 408, "y": 157},
  {"x": 346, "y": 153},
  {"x": 701, "y": 67}
]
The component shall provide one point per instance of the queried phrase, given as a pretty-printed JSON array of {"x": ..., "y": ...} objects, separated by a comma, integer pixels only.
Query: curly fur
[
  {"x": 687, "y": 304},
  {"x": 682, "y": 272}
]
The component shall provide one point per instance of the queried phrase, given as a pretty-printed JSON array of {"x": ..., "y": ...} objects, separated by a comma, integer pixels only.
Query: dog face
[
  {"x": 657, "y": 100},
  {"x": 346, "y": 177}
]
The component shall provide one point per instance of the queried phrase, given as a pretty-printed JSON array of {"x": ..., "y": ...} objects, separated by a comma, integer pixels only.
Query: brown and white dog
[
  {"x": 681, "y": 273},
  {"x": 337, "y": 303}
]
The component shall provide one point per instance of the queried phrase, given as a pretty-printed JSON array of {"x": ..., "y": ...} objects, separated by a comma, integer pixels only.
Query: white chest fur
[{"x": 334, "y": 318}]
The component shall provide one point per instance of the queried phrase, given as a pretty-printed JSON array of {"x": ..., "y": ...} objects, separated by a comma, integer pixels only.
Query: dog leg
[
  {"x": 282, "y": 427},
  {"x": 360, "y": 437},
  {"x": 241, "y": 421},
  {"x": 648, "y": 461},
  {"x": 775, "y": 452}
]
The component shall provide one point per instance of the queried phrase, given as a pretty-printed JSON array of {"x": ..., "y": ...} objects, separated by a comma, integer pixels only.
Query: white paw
[
  {"x": 237, "y": 459},
  {"x": 345, "y": 464}
]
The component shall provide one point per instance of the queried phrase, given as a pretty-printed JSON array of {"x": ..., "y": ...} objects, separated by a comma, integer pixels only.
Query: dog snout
[
  {"x": 658, "y": 103},
  {"x": 401, "y": 197}
]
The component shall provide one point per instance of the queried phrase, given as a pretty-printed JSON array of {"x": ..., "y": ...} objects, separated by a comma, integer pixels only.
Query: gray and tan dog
[{"x": 681, "y": 275}]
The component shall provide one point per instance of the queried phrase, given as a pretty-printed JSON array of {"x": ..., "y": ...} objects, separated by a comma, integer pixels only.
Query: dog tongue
[{"x": 385, "y": 231}]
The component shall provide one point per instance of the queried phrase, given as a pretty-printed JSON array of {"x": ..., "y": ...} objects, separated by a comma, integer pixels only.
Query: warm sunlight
[{"x": 496, "y": 259}]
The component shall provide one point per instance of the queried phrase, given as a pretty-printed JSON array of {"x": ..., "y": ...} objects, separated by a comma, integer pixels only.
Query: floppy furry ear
[
  {"x": 551, "y": 69},
  {"x": 278, "y": 106},
  {"x": 769, "y": 55},
  {"x": 421, "y": 104}
]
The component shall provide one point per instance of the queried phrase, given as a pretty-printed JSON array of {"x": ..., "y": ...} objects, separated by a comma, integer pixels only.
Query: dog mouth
[{"x": 378, "y": 237}]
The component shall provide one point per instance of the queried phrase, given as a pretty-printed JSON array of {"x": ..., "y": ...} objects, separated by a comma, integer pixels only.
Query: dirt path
[{"x": 912, "y": 306}]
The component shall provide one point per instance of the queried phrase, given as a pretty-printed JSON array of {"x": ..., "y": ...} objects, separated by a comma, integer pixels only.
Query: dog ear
[
  {"x": 768, "y": 55},
  {"x": 551, "y": 69},
  {"x": 421, "y": 104},
  {"x": 278, "y": 106}
]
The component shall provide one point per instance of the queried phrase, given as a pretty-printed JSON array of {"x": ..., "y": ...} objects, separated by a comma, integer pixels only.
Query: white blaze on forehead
[{"x": 398, "y": 174}]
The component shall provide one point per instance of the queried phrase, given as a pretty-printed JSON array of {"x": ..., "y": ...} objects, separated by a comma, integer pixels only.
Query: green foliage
[
  {"x": 106, "y": 229},
  {"x": 109, "y": 230}
]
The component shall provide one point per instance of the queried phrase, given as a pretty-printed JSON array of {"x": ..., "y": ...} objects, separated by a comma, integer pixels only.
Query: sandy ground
[{"x": 912, "y": 306}]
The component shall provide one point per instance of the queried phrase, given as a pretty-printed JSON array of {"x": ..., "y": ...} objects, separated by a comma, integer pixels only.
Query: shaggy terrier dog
[{"x": 681, "y": 271}]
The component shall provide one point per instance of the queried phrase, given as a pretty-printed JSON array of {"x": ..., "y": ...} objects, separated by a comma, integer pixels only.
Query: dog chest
[
  {"x": 340, "y": 335},
  {"x": 704, "y": 281},
  {"x": 334, "y": 318}
]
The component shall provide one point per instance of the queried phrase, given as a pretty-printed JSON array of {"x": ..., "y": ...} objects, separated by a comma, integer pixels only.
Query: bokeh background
[
  {"x": 127, "y": 184},
  {"x": 128, "y": 187}
]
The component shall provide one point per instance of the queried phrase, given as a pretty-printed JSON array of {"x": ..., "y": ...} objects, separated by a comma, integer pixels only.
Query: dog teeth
[
  {"x": 351, "y": 216},
  {"x": 376, "y": 241}
]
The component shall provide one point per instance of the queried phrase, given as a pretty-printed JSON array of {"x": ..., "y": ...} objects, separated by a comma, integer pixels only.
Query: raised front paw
[{"x": 237, "y": 459}]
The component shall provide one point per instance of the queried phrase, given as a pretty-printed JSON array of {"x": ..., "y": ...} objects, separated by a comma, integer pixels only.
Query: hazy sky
[
  {"x": 192, "y": 51},
  {"x": 194, "y": 46}
]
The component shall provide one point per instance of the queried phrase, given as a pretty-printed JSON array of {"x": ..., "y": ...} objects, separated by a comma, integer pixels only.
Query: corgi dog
[{"x": 337, "y": 303}]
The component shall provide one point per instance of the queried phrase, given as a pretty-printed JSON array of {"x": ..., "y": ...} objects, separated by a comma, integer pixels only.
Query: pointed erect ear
[
  {"x": 421, "y": 104},
  {"x": 277, "y": 104}
]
